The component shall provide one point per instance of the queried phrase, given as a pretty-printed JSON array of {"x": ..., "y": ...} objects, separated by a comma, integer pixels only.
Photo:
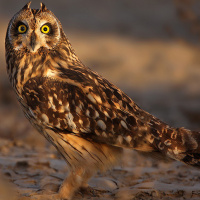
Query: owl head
[{"x": 33, "y": 29}]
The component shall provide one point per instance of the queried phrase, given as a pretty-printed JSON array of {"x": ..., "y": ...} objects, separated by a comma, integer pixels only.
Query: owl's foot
[
  {"x": 57, "y": 197},
  {"x": 88, "y": 191},
  {"x": 74, "y": 182}
]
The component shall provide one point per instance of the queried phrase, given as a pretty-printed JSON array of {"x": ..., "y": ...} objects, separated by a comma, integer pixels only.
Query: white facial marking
[{"x": 18, "y": 47}]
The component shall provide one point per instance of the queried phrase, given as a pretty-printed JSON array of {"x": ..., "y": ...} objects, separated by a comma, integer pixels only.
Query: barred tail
[{"x": 178, "y": 143}]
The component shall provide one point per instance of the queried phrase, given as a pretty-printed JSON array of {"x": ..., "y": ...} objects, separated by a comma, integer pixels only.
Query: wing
[{"x": 91, "y": 108}]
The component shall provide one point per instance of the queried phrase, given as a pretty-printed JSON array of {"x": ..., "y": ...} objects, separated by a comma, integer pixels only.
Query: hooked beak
[{"x": 33, "y": 41}]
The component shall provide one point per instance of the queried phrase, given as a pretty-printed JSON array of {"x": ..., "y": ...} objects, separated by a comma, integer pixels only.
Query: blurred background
[{"x": 148, "y": 48}]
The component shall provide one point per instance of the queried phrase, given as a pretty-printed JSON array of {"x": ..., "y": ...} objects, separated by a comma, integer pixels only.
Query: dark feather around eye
[
  {"x": 18, "y": 24},
  {"x": 15, "y": 28},
  {"x": 51, "y": 28}
]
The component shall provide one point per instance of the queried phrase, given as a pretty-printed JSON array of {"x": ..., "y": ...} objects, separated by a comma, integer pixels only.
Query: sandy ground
[{"x": 143, "y": 48}]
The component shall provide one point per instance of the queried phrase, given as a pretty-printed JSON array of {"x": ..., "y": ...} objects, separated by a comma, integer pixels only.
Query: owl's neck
[{"x": 23, "y": 66}]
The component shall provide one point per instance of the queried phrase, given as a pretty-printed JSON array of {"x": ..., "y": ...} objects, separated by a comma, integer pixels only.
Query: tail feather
[{"x": 179, "y": 144}]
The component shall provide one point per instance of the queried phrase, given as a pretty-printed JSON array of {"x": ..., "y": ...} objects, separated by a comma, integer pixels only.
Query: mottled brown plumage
[{"x": 87, "y": 118}]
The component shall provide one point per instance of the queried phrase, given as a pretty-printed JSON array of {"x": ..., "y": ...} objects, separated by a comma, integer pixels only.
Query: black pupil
[
  {"x": 22, "y": 28},
  {"x": 45, "y": 29}
]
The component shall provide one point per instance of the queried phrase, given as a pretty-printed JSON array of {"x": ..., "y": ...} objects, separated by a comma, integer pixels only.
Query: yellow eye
[
  {"x": 22, "y": 28},
  {"x": 45, "y": 29}
]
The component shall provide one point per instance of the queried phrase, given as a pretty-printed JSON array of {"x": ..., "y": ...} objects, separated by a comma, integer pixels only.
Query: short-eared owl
[{"x": 88, "y": 119}]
